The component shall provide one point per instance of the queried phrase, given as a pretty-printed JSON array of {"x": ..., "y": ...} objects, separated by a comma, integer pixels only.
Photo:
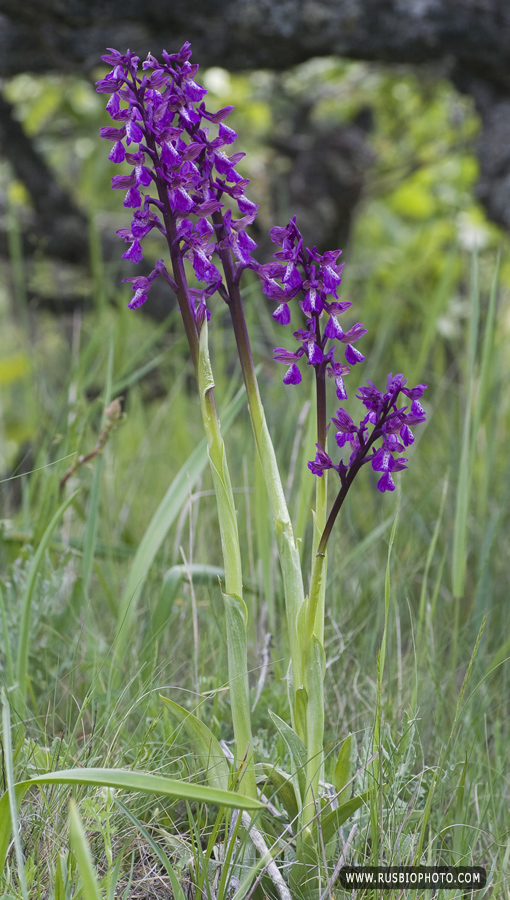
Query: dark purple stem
[
  {"x": 235, "y": 305},
  {"x": 190, "y": 325},
  {"x": 353, "y": 470}
]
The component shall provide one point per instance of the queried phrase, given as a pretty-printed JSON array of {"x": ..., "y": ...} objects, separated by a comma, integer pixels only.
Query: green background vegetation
[{"x": 413, "y": 281}]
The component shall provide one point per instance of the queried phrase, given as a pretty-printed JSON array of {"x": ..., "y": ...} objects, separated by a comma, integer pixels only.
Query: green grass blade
[
  {"x": 7, "y": 645},
  {"x": 83, "y": 856},
  {"x": 332, "y": 821},
  {"x": 428, "y": 562},
  {"x": 466, "y": 455},
  {"x": 487, "y": 358},
  {"x": 343, "y": 768},
  {"x": 298, "y": 755},
  {"x": 11, "y": 796},
  {"x": 381, "y": 659},
  {"x": 161, "y": 522},
  {"x": 89, "y": 542},
  {"x": 206, "y": 746},
  {"x": 24, "y": 634},
  {"x": 175, "y": 576},
  {"x": 163, "y": 858}
]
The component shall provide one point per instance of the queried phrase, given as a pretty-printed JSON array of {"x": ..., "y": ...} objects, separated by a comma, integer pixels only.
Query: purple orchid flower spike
[
  {"x": 315, "y": 277},
  {"x": 180, "y": 174}
]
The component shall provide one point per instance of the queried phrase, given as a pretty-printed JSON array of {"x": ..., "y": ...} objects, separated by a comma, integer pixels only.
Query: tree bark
[{"x": 275, "y": 34}]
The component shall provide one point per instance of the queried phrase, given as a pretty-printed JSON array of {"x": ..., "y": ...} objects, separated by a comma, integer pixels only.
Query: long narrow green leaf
[
  {"x": 381, "y": 658},
  {"x": 343, "y": 767},
  {"x": 235, "y": 608},
  {"x": 83, "y": 856},
  {"x": 206, "y": 746},
  {"x": 487, "y": 357},
  {"x": 284, "y": 789},
  {"x": 298, "y": 755},
  {"x": 161, "y": 522},
  {"x": 332, "y": 821},
  {"x": 315, "y": 668},
  {"x": 123, "y": 780}
]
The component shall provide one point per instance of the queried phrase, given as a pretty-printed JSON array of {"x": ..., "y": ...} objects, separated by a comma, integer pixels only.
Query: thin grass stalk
[
  {"x": 381, "y": 659},
  {"x": 430, "y": 555},
  {"x": 9, "y": 663},
  {"x": 466, "y": 456},
  {"x": 24, "y": 630},
  {"x": 81, "y": 850},
  {"x": 13, "y": 806},
  {"x": 90, "y": 538}
]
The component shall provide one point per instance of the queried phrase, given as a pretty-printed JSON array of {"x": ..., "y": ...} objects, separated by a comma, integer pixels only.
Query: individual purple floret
[
  {"x": 384, "y": 421},
  {"x": 180, "y": 174},
  {"x": 315, "y": 277}
]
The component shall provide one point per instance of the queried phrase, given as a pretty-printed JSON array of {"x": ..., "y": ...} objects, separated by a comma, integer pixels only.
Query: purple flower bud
[
  {"x": 354, "y": 333},
  {"x": 112, "y": 134},
  {"x": 122, "y": 181},
  {"x": 386, "y": 483},
  {"x": 204, "y": 268},
  {"x": 343, "y": 421},
  {"x": 141, "y": 286},
  {"x": 194, "y": 92},
  {"x": 414, "y": 393},
  {"x": 180, "y": 200},
  {"x": 407, "y": 435},
  {"x": 335, "y": 307},
  {"x": 321, "y": 463},
  {"x": 286, "y": 356},
  {"x": 246, "y": 207},
  {"x": 113, "y": 105},
  {"x": 331, "y": 279},
  {"x": 417, "y": 414},
  {"x": 314, "y": 353}
]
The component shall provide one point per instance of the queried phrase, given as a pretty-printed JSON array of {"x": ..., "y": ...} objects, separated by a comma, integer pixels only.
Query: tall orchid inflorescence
[{"x": 164, "y": 135}]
